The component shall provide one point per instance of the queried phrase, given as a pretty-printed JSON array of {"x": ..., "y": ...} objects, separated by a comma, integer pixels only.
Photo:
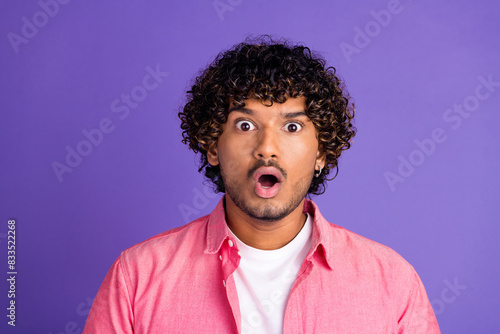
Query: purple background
[{"x": 140, "y": 179}]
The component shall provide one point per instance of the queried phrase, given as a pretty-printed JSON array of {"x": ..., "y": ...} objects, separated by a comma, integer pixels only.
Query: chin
[{"x": 267, "y": 212}]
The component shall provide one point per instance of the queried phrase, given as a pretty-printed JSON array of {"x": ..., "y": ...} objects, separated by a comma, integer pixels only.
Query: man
[{"x": 270, "y": 122}]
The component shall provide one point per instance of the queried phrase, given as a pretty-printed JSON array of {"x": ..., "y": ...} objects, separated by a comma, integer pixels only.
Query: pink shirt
[{"x": 181, "y": 281}]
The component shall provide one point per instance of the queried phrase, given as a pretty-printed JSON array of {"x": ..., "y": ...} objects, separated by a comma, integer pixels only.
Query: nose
[{"x": 267, "y": 146}]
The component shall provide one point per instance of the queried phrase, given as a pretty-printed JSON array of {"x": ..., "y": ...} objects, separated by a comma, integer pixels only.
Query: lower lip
[{"x": 267, "y": 192}]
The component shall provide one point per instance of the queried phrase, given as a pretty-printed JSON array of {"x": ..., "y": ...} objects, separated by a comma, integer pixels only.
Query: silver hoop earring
[{"x": 317, "y": 173}]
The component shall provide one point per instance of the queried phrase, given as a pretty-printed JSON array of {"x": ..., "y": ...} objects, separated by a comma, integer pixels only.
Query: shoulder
[
  {"x": 360, "y": 246},
  {"x": 368, "y": 258},
  {"x": 168, "y": 243},
  {"x": 345, "y": 248}
]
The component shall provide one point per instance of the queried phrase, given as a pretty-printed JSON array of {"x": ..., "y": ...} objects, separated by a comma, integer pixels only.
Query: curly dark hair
[{"x": 271, "y": 71}]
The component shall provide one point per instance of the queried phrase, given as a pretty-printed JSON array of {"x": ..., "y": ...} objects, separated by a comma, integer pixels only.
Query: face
[{"x": 267, "y": 157}]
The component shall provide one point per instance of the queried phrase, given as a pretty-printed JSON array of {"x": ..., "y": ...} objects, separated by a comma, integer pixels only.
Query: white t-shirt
[{"x": 264, "y": 279}]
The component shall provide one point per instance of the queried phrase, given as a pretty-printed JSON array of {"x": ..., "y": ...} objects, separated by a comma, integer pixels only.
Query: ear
[
  {"x": 320, "y": 159},
  {"x": 213, "y": 155}
]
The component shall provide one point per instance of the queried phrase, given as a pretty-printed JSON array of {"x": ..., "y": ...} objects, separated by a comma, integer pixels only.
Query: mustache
[{"x": 270, "y": 163}]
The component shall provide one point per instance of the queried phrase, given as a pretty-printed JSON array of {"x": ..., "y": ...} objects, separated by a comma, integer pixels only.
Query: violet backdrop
[{"x": 419, "y": 178}]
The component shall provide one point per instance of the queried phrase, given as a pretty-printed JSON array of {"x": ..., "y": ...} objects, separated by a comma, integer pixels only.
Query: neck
[{"x": 263, "y": 234}]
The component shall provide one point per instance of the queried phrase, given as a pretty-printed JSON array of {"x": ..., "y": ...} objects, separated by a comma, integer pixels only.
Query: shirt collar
[
  {"x": 218, "y": 232},
  {"x": 322, "y": 240}
]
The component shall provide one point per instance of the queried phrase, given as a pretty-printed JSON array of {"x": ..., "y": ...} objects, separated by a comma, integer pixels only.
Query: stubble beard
[{"x": 267, "y": 212}]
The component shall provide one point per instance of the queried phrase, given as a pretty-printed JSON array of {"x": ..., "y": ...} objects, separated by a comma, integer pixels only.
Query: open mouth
[{"x": 267, "y": 180}]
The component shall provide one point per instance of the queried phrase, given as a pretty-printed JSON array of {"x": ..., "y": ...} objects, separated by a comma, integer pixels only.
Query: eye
[
  {"x": 293, "y": 127},
  {"x": 245, "y": 126}
]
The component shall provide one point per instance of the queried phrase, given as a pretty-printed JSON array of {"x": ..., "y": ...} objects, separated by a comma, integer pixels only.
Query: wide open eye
[
  {"x": 293, "y": 127},
  {"x": 245, "y": 126}
]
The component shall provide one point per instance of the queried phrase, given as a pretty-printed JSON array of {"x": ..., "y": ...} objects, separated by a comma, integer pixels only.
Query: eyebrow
[{"x": 286, "y": 115}]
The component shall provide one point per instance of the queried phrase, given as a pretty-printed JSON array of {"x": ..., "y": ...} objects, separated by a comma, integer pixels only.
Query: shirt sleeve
[
  {"x": 417, "y": 316},
  {"x": 111, "y": 311}
]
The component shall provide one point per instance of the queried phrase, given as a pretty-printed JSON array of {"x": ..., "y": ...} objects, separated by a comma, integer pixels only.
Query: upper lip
[{"x": 267, "y": 171}]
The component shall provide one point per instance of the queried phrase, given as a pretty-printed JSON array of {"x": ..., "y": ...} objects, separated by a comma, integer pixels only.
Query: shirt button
[
  {"x": 230, "y": 243},
  {"x": 224, "y": 283},
  {"x": 220, "y": 257}
]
